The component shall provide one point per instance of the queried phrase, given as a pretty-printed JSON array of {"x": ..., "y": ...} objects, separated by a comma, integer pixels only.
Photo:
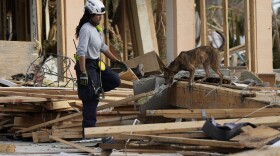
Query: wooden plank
[
  {"x": 151, "y": 61},
  {"x": 59, "y": 104},
  {"x": 203, "y": 19},
  {"x": 226, "y": 33},
  {"x": 50, "y": 122},
  {"x": 57, "y": 91},
  {"x": 216, "y": 113},
  {"x": 112, "y": 104},
  {"x": 21, "y": 99},
  {"x": 26, "y": 135},
  {"x": 234, "y": 50},
  {"x": 80, "y": 147},
  {"x": 203, "y": 96},
  {"x": 124, "y": 34},
  {"x": 187, "y": 141},
  {"x": 247, "y": 20},
  {"x": 7, "y": 148},
  {"x": 152, "y": 26},
  {"x": 36, "y": 119},
  {"x": 257, "y": 137},
  {"x": 145, "y": 147},
  {"x": 16, "y": 110},
  {"x": 31, "y": 107},
  {"x": 253, "y": 36},
  {"x": 60, "y": 36},
  {"x": 65, "y": 97},
  {"x": 127, "y": 84},
  {"x": 272, "y": 151},
  {"x": 38, "y": 22},
  {"x": 41, "y": 136},
  {"x": 128, "y": 75},
  {"x": 105, "y": 120},
  {"x": 143, "y": 27},
  {"x": 171, "y": 127},
  {"x": 132, "y": 28}
]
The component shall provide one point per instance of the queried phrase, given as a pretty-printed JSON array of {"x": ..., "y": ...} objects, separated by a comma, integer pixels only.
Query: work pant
[{"x": 109, "y": 79}]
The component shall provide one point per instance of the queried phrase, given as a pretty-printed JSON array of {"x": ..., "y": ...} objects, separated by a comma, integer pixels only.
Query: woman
[{"x": 91, "y": 81}]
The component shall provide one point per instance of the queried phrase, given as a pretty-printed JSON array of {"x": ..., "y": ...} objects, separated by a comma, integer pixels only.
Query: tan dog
[{"x": 189, "y": 60}]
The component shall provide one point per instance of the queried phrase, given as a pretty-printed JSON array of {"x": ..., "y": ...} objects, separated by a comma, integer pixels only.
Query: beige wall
[
  {"x": 74, "y": 10},
  {"x": 264, "y": 38}
]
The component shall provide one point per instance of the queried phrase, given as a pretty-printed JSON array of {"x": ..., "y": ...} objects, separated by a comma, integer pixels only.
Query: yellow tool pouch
[{"x": 101, "y": 65}]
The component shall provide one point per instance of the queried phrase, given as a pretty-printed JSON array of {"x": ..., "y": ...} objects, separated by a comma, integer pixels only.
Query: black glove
[
  {"x": 121, "y": 65},
  {"x": 84, "y": 78}
]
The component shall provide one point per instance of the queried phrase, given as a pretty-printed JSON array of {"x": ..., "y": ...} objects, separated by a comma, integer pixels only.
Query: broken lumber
[
  {"x": 187, "y": 141},
  {"x": 80, "y": 147},
  {"x": 112, "y": 104},
  {"x": 171, "y": 127},
  {"x": 256, "y": 137},
  {"x": 216, "y": 113}
]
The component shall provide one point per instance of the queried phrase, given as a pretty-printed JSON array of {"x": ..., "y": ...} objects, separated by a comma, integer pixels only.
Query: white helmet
[{"x": 95, "y": 7}]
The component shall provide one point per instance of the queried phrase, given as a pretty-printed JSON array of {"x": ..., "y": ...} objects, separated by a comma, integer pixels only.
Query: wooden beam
[
  {"x": 216, "y": 113},
  {"x": 253, "y": 36},
  {"x": 187, "y": 141},
  {"x": 80, "y": 147},
  {"x": 217, "y": 97},
  {"x": 59, "y": 91},
  {"x": 39, "y": 20},
  {"x": 70, "y": 97},
  {"x": 159, "y": 128},
  {"x": 226, "y": 33},
  {"x": 234, "y": 50},
  {"x": 203, "y": 19},
  {"x": 21, "y": 99},
  {"x": 143, "y": 26},
  {"x": 132, "y": 28},
  {"x": 152, "y": 25},
  {"x": 60, "y": 37},
  {"x": 124, "y": 34},
  {"x": 247, "y": 29}
]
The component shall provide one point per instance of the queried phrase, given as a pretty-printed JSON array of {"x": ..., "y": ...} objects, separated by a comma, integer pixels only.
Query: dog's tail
[{"x": 221, "y": 48}]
